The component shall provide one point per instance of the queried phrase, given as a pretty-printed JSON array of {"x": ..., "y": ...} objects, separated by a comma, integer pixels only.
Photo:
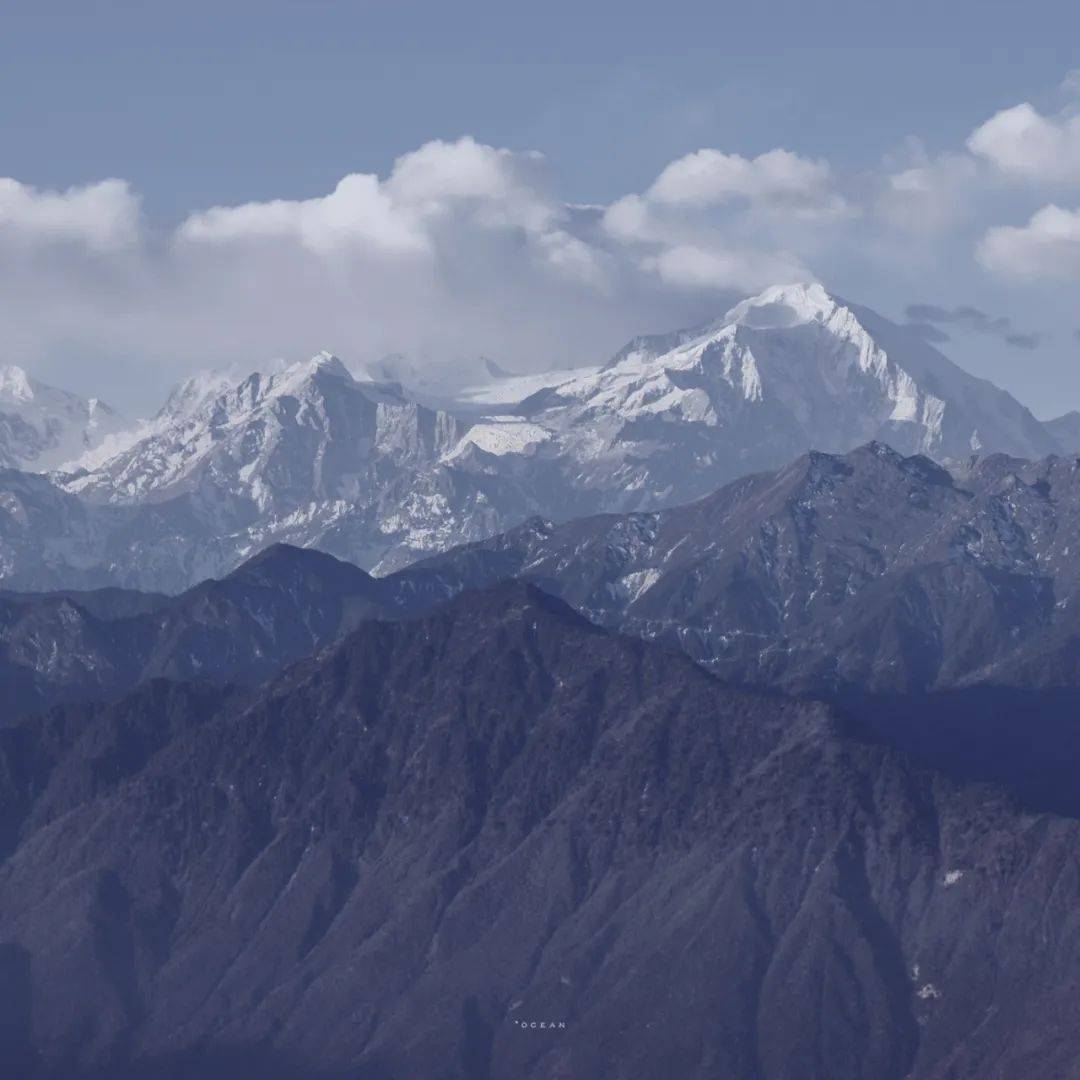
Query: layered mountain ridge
[
  {"x": 278, "y": 607},
  {"x": 401, "y": 856},
  {"x": 869, "y": 567},
  {"x": 360, "y": 468},
  {"x": 933, "y": 606}
]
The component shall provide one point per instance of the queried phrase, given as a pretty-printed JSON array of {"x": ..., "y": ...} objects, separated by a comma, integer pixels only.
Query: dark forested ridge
[{"x": 384, "y": 860}]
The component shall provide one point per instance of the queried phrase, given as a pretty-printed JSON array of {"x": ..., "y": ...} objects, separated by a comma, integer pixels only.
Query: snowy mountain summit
[
  {"x": 42, "y": 428},
  {"x": 284, "y": 441},
  {"x": 789, "y": 370},
  {"x": 313, "y": 456}
]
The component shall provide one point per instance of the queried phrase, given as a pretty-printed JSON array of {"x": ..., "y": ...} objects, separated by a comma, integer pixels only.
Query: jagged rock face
[
  {"x": 309, "y": 434},
  {"x": 43, "y": 428},
  {"x": 308, "y": 456},
  {"x": 867, "y": 570},
  {"x": 398, "y": 853}
]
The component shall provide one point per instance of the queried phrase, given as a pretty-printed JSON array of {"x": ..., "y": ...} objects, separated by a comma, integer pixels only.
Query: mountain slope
[
  {"x": 405, "y": 854},
  {"x": 43, "y": 428},
  {"x": 1066, "y": 430},
  {"x": 306, "y": 434},
  {"x": 276, "y": 608},
  {"x": 868, "y": 570},
  {"x": 789, "y": 370},
  {"x": 307, "y": 456}
]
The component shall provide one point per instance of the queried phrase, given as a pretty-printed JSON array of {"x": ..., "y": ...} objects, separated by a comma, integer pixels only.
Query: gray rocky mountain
[{"x": 868, "y": 569}]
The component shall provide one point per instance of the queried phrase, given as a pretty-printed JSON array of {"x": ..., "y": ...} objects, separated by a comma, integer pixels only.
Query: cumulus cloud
[
  {"x": 1024, "y": 144},
  {"x": 709, "y": 178},
  {"x": 695, "y": 267},
  {"x": 459, "y": 249},
  {"x": 504, "y": 188},
  {"x": 712, "y": 219},
  {"x": 431, "y": 197},
  {"x": 102, "y": 216},
  {"x": 1048, "y": 246},
  {"x": 356, "y": 214}
]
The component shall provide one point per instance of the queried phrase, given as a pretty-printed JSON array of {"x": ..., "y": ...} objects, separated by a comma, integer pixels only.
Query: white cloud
[
  {"x": 745, "y": 271},
  {"x": 629, "y": 219},
  {"x": 103, "y": 216},
  {"x": 506, "y": 188},
  {"x": 461, "y": 248},
  {"x": 1024, "y": 144},
  {"x": 723, "y": 221},
  {"x": 486, "y": 217},
  {"x": 356, "y": 214},
  {"x": 493, "y": 188},
  {"x": 685, "y": 251},
  {"x": 1047, "y": 247},
  {"x": 709, "y": 177},
  {"x": 575, "y": 259}
]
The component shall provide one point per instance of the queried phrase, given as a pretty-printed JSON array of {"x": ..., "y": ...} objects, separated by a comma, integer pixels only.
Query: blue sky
[{"x": 202, "y": 105}]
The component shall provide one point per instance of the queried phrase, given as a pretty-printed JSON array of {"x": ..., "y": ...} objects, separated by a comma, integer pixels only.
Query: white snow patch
[
  {"x": 635, "y": 585},
  {"x": 501, "y": 435},
  {"x": 512, "y": 389}
]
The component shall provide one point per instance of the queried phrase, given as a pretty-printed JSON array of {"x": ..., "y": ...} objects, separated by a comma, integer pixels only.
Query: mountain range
[
  {"x": 866, "y": 569},
  {"x": 499, "y": 841},
  {"x": 380, "y": 474},
  {"x": 917, "y": 601},
  {"x": 711, "y": 715}
]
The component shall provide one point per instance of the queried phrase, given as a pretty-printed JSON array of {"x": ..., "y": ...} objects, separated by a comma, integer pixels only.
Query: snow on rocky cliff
[{"x": 42, "y": 428}]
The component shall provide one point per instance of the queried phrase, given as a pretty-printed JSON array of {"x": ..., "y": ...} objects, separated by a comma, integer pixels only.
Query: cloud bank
[{"x": 462, "y": 248}]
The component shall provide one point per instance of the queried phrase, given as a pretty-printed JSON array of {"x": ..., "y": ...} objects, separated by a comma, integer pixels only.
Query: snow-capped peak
[
  {"x": 789, "y": 369},
  {"x": 293, "y": 378},
  {"x": 299, "y": 440},
  {"x": 309, "y": 454},
  {"x": 43, "y": 428},
  {"x": 328, "y": 363},
  {"x": 15, "y": 385},
  {"x": 783, "y": 306}
]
